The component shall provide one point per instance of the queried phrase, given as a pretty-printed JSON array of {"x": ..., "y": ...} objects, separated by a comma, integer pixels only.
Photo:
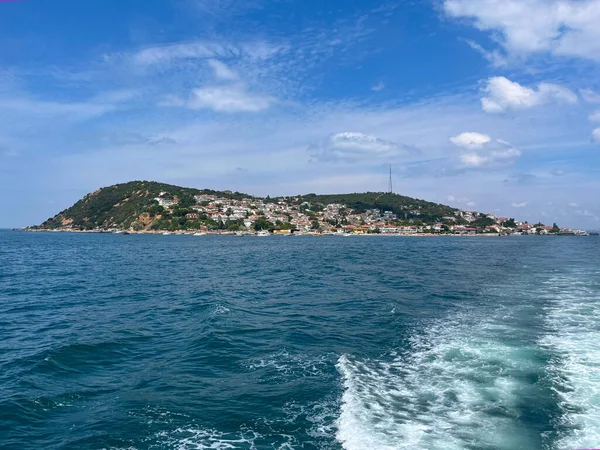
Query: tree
[
  {"x": 510, "y": 223},
  {"x": 137, "y": 226},
  {"x": 555, "y": 228},
  {"x": 155, "y": 210},
  {"x": 262, "y": 224},
  {"x": 287, "y": 226},
  {"x": 186, "y": 201},
  {"x": 483, "y": 222},
  {"x": 314, "y": 225},
  {"x": 181, "y": 212}
]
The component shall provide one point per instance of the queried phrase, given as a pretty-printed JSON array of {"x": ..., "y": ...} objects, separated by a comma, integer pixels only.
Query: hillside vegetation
[
  {"x": 120, "y": 205},
  {"x": 147, "y": 205},
  {"x": 398, "y": 204}
]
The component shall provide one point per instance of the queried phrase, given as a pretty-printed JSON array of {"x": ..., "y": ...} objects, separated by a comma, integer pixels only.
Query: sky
[{"x": 487, "y": 105}]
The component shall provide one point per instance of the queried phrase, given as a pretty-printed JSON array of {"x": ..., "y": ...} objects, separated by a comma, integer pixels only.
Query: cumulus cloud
[
  {"x": 519, "y": 205},
  {"x": 573, "y": 205},
  {"x": 470, "y": 140},
  {"x": 522, "y": 28},
  {"x": 504, "y": 94},
  {"x": 355, "y": 147},
  {"x": 596, "y": 135},
  {"x": 229, "y": 99},
  {"x": 479, "y": 150}
]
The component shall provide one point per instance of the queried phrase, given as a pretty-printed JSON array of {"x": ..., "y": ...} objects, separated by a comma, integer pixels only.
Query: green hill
[
  {"x": 134, "y": 205},
  {"x": 120, "y": 205}
]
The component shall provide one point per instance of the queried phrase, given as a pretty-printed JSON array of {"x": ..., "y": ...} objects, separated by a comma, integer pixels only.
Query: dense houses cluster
[{"x": 295, "y": 215}]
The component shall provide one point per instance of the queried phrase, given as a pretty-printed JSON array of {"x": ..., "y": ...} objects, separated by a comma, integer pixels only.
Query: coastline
[{"x": 252, "y": 234}]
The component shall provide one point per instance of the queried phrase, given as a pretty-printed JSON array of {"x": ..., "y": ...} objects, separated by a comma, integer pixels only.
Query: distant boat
[
  {"x": 166, "y": 233},
  {"x": 199, "y": 234},
  {"x": 262, "y": 233}
]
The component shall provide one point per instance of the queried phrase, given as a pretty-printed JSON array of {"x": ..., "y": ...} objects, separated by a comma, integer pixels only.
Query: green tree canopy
[
  {"x": 483, "y": 222},
  {"x": 262, "y": 224},
  {"x": 510, "y": 223}
]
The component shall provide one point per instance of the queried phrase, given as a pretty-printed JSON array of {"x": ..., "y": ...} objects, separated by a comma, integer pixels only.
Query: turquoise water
[{"x": 181, "y": 342}]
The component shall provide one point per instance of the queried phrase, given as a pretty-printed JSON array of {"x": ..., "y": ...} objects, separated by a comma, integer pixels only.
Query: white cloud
[
  {"x": 470, "y": 140},
  {"x": 378, "y": 87},
  {"x": 481, "y": 151},
  {"x": 526, "y": 27},
  {"x": 229, "y": 99},
  {"x": 167, "y": 53},
  {"x": 596, "y": 135},
  {"x": 503, "y": 94},
  {"x": 573, "y": 205},
  {"x": 519, "y": 205},
  {"x": 595, "y": 116},
  {"x": 354, "y": 147},
  {"x": 590, "y": 96},
  {"x": 495, "y": 58},
  {"x": 158, "y": 55},
  {"x": 222, "y": 71}
]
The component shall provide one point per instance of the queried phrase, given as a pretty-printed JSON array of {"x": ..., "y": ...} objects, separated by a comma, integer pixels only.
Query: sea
[{"x": 359, "y": 343}]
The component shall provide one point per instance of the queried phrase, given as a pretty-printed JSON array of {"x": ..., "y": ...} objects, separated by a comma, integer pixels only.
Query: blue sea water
[{"x": 182, "y": 342}]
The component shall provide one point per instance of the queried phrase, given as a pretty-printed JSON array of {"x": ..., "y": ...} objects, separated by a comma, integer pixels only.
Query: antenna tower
[{"x": 390, "y": 189}]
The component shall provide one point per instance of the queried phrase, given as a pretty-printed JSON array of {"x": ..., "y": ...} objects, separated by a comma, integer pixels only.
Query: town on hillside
[{"x": 295, "y": 215}]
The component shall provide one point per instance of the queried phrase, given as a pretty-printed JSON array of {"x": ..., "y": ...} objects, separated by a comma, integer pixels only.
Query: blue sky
[{"x": 492, "y": 105}]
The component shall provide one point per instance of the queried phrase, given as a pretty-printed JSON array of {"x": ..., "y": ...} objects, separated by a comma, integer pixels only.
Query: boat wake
[
  {"x": 461, "y": 386},
  {"x": 573, "y": 318}
]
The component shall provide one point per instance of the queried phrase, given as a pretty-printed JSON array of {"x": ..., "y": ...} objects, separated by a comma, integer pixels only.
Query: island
[{"x": 159, "y": 208}]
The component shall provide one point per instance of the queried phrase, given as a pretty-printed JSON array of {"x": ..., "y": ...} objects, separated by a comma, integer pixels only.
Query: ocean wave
[
  {"x": 195, "y": 438},
  {"x": 284, "y": 364},
  {"x": 574, "y": 338},
  {"x": 460, "y": 387}
]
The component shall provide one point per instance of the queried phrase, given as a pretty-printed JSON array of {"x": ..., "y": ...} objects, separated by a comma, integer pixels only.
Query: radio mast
[{"x": 390, "y": 189}]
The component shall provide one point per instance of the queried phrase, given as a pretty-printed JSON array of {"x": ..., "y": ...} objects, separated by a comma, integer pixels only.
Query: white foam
[
  {"x": 285, "y": 364},
  {"x": 192, "y": 438},
  {"x": 573, "y": 317},
  {"x": 458, "y": 388},
  {"x": 219, "y": 309}
]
